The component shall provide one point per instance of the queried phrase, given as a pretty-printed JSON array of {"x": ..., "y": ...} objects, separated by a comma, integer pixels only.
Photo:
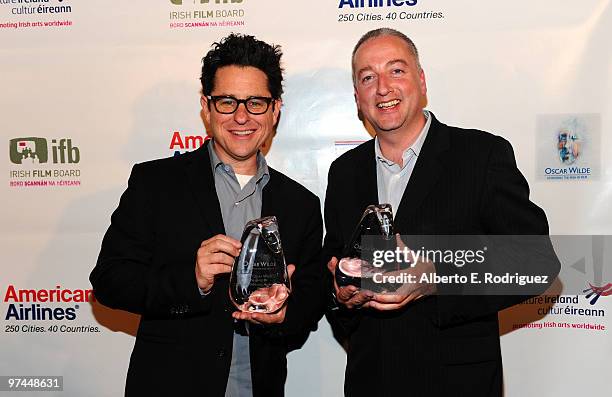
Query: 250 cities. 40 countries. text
[{"x": 63, "y": 328}]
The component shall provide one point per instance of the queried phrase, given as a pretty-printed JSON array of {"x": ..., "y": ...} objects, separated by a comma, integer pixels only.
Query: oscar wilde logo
[
  {"x": 180, "y": 2},
  {"x": 35, "y": 150},
  {"x": 568, "y": 146}
]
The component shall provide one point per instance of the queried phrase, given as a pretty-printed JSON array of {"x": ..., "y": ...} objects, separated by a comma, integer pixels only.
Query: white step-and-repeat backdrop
[{"x": 87, "y": 89}]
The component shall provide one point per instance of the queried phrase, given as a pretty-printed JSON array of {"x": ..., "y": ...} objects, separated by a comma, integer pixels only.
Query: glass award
[
  {"x": 259, "y": 281},
  {"x": 356, "y": 262}
]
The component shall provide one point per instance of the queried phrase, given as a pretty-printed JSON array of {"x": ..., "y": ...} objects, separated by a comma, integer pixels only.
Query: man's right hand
[
  {"x": 349, "y": 296},
  {"x": 215, "y": 256}
]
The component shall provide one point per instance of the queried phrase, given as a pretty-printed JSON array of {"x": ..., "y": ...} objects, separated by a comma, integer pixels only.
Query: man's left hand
[
  {"x": 266, "y": 318},
  {"x": 408, "y": 292}
]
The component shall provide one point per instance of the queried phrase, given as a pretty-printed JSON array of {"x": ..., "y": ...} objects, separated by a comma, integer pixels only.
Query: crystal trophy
[
  {"x": 356, "y": 262},
  {"x": 259, "y": 281}
]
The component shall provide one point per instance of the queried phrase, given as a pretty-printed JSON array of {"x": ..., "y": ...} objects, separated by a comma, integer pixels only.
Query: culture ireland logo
[
  {"x": 27, "y": 14},
  {"x": 593, "y": 293}
]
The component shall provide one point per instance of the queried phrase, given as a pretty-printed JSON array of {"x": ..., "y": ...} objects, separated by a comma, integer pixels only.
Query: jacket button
[{"x": 221, "y": 353}]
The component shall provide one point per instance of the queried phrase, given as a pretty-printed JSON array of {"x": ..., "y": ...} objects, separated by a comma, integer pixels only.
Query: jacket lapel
[
  {"x": 429, "y": 167},
  {"x": 270, "y": 204},
  {"x": 202, "y": 185},
  {"x": 359, "y": 190},
  {"x": 367, "y": 188}
]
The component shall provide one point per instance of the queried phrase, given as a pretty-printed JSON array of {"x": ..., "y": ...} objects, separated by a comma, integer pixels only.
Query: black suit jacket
[
  {"x": 146, "y": 266},
  {"x": 464, "y": 182}
]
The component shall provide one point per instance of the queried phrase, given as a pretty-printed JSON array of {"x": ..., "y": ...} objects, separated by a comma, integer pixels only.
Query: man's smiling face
[
  {"x": 390, "y": 88},
  {"x": 238, "y": 136}
]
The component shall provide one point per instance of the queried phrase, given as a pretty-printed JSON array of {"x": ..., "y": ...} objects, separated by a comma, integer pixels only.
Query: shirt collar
[
  {"x": 215, "y": 162},
  {"x": 415, "y": 147}
]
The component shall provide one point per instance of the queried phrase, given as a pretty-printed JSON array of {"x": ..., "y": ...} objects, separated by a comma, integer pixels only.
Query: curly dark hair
[{"x": 243, "y": 50}]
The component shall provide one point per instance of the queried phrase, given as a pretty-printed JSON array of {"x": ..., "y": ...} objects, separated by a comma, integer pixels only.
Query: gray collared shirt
[
  {"x": 391, "y": 179},
  {"x": 238, "y": 206}
]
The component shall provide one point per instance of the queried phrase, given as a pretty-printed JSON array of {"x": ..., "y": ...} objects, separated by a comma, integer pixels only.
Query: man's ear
[
  {"x": 423, "y": 82},
  {"x": 278, "y": 103},
  {"x": 205, "y": 108}
]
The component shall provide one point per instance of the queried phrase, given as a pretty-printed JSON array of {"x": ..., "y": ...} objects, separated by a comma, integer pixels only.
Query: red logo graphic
[{"x": 598, "y": 291}]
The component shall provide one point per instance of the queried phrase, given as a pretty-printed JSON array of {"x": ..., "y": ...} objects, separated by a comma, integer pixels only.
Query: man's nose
[
  {"x": 383, "y": 86},
  {"x": 241, "y": 115}
]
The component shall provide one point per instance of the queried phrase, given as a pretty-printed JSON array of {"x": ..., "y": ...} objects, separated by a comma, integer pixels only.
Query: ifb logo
[
  {"x": 28, "y": 149},
  {"x": 180, "y": 2},
  {"x": 35, "y": 150},
  {"x": 597, "y": 292}
]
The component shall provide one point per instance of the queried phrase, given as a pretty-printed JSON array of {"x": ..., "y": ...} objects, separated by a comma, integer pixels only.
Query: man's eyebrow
[
  {"x": 403, "y": 62},
  {"x": 390, "y": 63},
  {"x": 367, "y": 68}
]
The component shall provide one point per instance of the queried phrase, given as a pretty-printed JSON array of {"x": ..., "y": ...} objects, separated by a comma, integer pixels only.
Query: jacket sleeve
[
  {"x": 505, "y": 211},
  {"x": 305, "y": 307},
  {"x": 342, "y": 321},
  {"x": 126, "y": 275}
]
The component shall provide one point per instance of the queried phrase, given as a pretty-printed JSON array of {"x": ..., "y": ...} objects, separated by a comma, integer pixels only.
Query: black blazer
[
  {"x": 464, "y": 182},
  {"x": 146, "y": 266}
]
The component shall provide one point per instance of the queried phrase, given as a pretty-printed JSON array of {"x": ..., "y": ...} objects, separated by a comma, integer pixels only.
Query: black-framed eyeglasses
[{"x": 227, "y": 104}]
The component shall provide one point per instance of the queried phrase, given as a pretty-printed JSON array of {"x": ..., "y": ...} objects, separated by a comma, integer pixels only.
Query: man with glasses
[{"x": 173, "y": 239}]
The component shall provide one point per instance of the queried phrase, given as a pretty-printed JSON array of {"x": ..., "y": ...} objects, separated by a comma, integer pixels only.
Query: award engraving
[{"x": 259, "y": 281}]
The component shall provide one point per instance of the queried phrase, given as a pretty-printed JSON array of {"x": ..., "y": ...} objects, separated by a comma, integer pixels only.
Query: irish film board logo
[
  {"x": 35, "y": 150},
  {"x": 206, "y": 14},
  {"x": 568, "y": 146},
  {"x": 180, "y": 2},
  {"x": 28, "y": 149},
  {"x": 38, "y": 162}
]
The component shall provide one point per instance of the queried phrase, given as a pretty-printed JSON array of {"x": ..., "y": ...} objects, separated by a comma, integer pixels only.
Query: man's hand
[
  {"x": 408, "y": 292},
  {"x": 215, "y": 256},
  {"x": 349, "y": 296},
  {"x": 266, "y": 318}
]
